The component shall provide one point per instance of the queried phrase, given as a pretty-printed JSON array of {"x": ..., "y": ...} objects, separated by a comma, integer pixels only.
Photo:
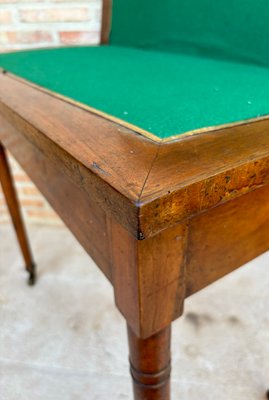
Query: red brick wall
[
  {"x": 34, "y": 207},
  {"x": 42, "y": 23}
]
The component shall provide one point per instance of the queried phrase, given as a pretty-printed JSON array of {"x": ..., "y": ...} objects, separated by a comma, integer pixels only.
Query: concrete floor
[{"x": 64, "y": 340}]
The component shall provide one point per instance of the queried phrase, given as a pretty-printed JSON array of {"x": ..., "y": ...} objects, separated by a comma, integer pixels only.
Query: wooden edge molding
[
  {"x": 191, "y": 176},
  {"x": 148, "y": 186}
]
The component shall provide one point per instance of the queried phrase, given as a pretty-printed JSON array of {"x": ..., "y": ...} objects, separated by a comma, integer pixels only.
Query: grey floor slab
[{"x": 64, "y": 340}]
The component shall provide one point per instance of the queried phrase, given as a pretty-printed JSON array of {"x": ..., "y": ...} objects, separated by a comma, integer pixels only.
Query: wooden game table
[{"x": 162, "y": 214}]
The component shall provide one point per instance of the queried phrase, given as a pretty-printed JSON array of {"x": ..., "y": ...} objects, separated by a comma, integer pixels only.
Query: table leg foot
[
  {"x": 31, "y": 269},
  {"x": 150, "y": 365}
]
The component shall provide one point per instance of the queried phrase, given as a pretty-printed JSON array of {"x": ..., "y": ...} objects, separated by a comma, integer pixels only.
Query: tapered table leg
[
  {"x": 150, "y": 362},
  {"x": 16, "y": 216}
]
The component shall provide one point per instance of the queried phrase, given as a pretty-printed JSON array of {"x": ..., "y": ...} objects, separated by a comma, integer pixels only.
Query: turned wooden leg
[
  {"x": 16, "y": 216},
  {"x": 150, "y": 362}
]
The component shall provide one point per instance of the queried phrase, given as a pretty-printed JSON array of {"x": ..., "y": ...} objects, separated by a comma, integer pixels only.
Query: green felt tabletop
[
  {"x": 163, "y": 93},
  {"x": 229, "y": 29}
]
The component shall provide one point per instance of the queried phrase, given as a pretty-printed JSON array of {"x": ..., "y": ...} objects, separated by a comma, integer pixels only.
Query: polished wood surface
[
  {"x": 149, "y": 277},
  {"x": 9, "y": 191},
  {"x": 161, "y": 220},
  {"x": 226, "y": 237}
]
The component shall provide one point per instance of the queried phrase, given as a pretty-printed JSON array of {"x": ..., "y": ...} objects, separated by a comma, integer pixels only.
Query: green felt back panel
[{"x": 236, "y": 29}]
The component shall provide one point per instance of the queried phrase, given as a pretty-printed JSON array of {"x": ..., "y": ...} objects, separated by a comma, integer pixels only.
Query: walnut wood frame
[{"x": 162, "y": 220}]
